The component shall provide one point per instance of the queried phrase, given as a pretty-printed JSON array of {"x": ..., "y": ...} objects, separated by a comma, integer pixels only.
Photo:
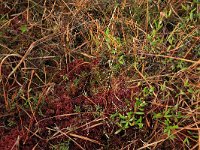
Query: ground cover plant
[{"x": 99, "y": 74}]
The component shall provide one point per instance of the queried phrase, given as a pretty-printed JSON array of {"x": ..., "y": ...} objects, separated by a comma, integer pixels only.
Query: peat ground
[{"x": 99, "y": 74}]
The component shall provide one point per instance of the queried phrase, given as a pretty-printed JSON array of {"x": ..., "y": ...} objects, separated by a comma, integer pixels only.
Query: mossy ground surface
[{"x": 99, "y": 74}]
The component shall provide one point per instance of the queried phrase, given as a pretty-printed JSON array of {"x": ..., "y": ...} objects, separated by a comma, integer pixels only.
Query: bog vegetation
[{"x": 99, "y": 74}]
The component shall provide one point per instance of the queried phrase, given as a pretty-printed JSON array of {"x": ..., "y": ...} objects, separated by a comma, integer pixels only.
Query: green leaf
[
  {"x": 114, "y": 115},
  {"x": 157, "y": 116},
  {"x": 24, "y": 28},
  {"x": 190, "y": 90},
  {"x": 167, "y": 116},
  {"x": 121, "y": 60},
  {"x": 126, "y": 125},
  {"x": 118, "y": 131},
  {"x": 113, "y": 50},
  {"x": 140, "y": 125},
  {"x": 107, "y": 31},
  {"x": 186, "y": 141},
  {"x": 174, "y": 127},
  {"x": 130, "y": 114},
  {"x": 122, "y": 116},
  {"x": 139, "y": 113},
  {"x": 139, "y": 120}
]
